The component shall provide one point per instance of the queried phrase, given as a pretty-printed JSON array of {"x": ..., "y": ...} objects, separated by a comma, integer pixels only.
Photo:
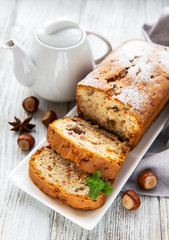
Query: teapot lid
[{"x": 60, "y": 33}]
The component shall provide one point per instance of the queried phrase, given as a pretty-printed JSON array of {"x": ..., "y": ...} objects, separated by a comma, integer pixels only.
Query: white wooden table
[{"x": 21, "y": 216}]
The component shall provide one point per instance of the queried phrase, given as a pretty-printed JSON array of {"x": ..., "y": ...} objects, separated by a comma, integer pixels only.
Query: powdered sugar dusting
[
  {"x": 135, "y": 97},
  {"x": 142, "y": 68},
  {"x": 164, "y": 60},
  {"x": 131, "y": 50},
  {"x": 89, "y": 80}
]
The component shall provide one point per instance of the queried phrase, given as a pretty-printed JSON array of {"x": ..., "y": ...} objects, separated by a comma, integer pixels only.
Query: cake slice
[
  {"x": 91, "y": 147},
  {"x": 126, "y": 92},
  {"x": 62, "y": 178}
]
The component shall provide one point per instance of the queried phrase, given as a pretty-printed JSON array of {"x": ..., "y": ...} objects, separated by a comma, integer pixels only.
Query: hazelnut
[
  {"x": 48, "y": 117},
  {"x": 147, "y": 180},
  {"x": 25, "y": 141},
  {"x": 30, "y": 104},
  {"x": 130, "y": 200}
]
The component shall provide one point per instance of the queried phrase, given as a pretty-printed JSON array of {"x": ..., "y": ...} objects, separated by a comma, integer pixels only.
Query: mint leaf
[
  {"x": 91, "y": 182},
  {"x": 93, "y": 179},
  {"x": 94, "y": 193},
  {"x": 95, "y": 189},
  {"x": 107, "y": 188},
  {"x": 100, "y": 184},
  {"x": 96, "y": 185},
  {"x": 96, "y": 175}
]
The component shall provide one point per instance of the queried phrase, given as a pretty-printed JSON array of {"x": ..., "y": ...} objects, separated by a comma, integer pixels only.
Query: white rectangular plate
[{"x": 89, "y": 219}]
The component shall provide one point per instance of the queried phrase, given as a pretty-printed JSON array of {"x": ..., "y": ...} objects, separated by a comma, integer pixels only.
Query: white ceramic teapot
[{"x": 59, "y": 58}]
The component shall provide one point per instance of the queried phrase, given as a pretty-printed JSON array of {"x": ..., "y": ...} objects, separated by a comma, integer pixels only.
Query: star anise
[{"x": 22, "y": 126}]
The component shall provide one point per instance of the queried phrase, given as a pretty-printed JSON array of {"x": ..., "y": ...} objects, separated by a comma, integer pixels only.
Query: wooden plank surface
[{"x": 21, "y": 216}]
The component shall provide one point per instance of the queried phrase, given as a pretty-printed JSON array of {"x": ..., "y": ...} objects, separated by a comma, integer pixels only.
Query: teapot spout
[{"x": 24, "y": 68}]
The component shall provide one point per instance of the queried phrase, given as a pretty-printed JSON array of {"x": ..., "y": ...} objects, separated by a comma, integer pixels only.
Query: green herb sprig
[{"x": 96, "y": 185}]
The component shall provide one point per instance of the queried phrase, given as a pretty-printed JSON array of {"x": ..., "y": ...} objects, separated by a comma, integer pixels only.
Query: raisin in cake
[
  {"x": 92, "y": 148},
  {"x": 127, "y": 91},
  {"x": 61, "y": 178}
]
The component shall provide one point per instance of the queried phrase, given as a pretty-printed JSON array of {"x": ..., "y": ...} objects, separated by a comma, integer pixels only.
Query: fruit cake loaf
[
  {"x": 62, "y": 178},
  {"x": 126, "y": 91},
  {"x": 92, "y": 148}
]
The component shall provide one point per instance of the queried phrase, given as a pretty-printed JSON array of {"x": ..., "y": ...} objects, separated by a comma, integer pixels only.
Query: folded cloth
[
  {"x": 158, "y": 32},
  {"x": 156, "y": 160}
]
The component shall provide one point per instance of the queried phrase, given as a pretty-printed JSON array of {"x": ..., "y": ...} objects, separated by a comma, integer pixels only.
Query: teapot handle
[{"x": 109, "y": 47}]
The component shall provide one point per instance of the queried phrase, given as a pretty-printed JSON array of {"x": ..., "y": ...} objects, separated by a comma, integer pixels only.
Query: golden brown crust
[
  {"x": 86, "y": 160},
  {"x": 149, "y": 122},
  {"x": 137, "y": 74},
  {"x": 56, "y": 191}
]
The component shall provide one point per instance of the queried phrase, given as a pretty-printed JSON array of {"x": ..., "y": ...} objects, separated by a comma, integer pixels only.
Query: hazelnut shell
[
  {"x": 131, "y": 200},
  {"x": 48, "y": 117},
  {"x": 30, "y": 104},
  {"x": 25, "y": 141},
  {"x": 147, "y": 179}
]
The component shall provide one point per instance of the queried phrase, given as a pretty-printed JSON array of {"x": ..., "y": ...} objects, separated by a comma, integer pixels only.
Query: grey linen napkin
[
  {"x": 156, "y": 160},
  {"x": 158, "y": 32}
]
